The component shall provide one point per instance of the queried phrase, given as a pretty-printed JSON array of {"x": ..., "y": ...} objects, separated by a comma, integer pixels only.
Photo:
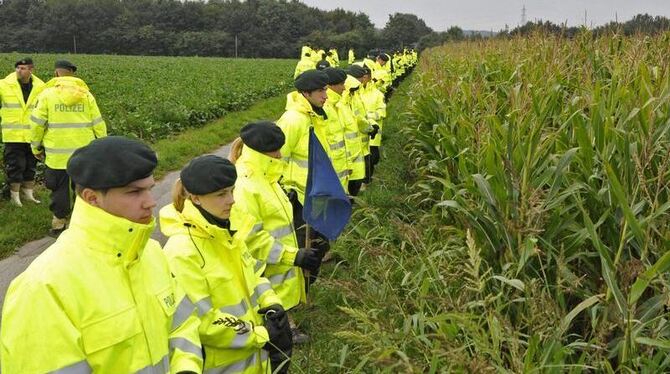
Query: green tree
[{"x": 404, "y": 29}]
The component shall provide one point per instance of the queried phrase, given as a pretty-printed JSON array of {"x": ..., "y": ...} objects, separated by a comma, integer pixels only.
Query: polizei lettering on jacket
[{"x": 69, "y": 108}]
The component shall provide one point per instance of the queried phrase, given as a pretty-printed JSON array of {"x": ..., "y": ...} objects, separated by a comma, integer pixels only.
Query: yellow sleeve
[
  {"x": 184, "y": 337},
  {"x": 262, "y": 245},
  {"x": 37, "y": 336},
  {"x": 99, "y": 125},
  {"x": 38, "y": 122},
  {"x": 217, "y": 328}
]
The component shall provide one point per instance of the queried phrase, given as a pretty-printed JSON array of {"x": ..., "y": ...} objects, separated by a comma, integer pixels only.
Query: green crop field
[
  {"x": 550, "y": 158},
  {"x": 153, "y": 97},
  {"x": 532, "y": 234}
]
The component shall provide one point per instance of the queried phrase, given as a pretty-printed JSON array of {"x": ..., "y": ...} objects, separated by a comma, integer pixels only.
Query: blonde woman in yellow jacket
[
  {"x": 242, "y": 320},
  {"x": 257, "y": 157}
]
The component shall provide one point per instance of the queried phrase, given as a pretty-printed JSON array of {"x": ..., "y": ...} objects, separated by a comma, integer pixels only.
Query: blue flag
[{"x": 327, "y": 207}]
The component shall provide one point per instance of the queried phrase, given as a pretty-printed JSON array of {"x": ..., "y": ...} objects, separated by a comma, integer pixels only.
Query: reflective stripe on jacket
[
  {"x": 273, "y": 238},
  {"x": 376, "y": 110},
  {"x": 66, "y": 118},
  {"x": 219, "y": 274},
  {"x": 100, "y": 299},
  {"x": 14, "y": 111},
  {"x": 342, "y": 120}
]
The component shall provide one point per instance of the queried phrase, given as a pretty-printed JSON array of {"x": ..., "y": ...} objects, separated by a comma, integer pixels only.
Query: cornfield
[{"x": 543, "y": 167}]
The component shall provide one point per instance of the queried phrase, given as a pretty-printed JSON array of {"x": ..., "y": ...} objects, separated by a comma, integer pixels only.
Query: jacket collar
[{"x": 108, "y": 233}]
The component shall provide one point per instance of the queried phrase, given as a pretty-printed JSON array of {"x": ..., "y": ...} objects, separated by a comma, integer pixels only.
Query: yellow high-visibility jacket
[
  {"x": 65, "y": 119},
  {"x": 305, "y": 63},
  {"x": 335, "y": 56},
  {"x": 305, "y": 50},
  {"x": 295, "y": 123},
  {"x": 352, "y": 135},
  {"x": 342, "y": 119},
  {"x": 272, "y": 240},
  {"x": 360, "y": 113},
  {"x": 14, "y": 111},
  {"x": 375, "y": 110},
  {"x": 219, "y": 274},
  {"x": 101, "y": 299},
  {"x": 351, "y": 56}
]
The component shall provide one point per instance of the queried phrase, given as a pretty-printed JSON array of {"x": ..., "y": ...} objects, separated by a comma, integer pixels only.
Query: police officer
[
  {"x": 257, "y": 158},
  {"x": 243, "y": 322},
  {"x": 66, "y": 118},
  {"x": 101, "y": 298},
  {"x": 304, "y": 109},
  {"x": 18, "y": 94}
]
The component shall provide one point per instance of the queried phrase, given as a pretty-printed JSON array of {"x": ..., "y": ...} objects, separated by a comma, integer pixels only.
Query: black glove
[
  {"x": 279, "y": 330},
  {"x": 276, "y": 313},
  {"x": 308, "y": 259},
  {"x": 375, "y": 130}
]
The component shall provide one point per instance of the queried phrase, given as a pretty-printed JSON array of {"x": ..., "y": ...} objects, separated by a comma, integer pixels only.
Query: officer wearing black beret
[
  {"x": 322, "y": 65},
  {"x": 111, "y": 162},
  {"x": 357, "y": 71},
  {"x": 335, "y": 76},
  {"x": 262, "y": 136},
  {"x": 19, "y": 162},
  {"x": 115, "y": 174},
  {"x": 207, "y": 174},
  {"x": 66, "y": 65},
  {"x": 311, "y": 80},
  {"x": 24, "y": 61}
]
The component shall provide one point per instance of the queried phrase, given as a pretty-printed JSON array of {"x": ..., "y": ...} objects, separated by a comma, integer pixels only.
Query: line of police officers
[{"x": 106, "y": 298}]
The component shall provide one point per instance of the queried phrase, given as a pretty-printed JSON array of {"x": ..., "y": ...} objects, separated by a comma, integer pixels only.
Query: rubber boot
[
  {"x": 14, "y": 193},
  {"x": 28, "y": 194}
]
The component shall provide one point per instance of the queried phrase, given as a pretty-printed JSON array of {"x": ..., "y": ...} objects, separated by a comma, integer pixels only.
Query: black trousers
[
  {"x": 58, "y": 182},
  {"x": 318, "y": 241},
  {"x": 20, "y": 163},
  {"x": 374, "y": 155},
  {"x": 369, "y": 169},
  {"x": 354, "y": 187}
]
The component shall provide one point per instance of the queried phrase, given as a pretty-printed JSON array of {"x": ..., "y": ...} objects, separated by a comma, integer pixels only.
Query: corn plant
[{"x": 553, "y": 156}]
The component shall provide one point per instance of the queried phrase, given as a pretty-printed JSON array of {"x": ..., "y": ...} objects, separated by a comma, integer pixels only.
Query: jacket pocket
[
  {"x": 111, "y": 330},
  {"x": 167, "y": 300}
]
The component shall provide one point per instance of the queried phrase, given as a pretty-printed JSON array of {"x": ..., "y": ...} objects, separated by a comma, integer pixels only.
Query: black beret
[
  {"x": 357, "y": 71},
  {"x": 207, "y": 174},
  {"x": 65, "y": 64},
  {"x": 335, "y": 75},
  {"x": 24, "y": 61},
  {"x": 322, "y": 65},
  {"x": 262, "y": 136},
  {"x": 311, "y": 80},
  {"x": 112, "y": 161},
  {"x": 383, "y": 57}
]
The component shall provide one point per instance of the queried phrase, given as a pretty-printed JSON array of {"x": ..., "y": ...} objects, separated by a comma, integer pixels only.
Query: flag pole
[{"x": 306, "y": 273}]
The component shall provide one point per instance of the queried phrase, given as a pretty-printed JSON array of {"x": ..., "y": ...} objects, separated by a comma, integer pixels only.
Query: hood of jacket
[{"x": 70, "y": 90}]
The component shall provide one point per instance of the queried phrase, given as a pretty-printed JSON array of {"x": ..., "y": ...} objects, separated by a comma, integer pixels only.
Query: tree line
[{"x": 228, "y": 28}]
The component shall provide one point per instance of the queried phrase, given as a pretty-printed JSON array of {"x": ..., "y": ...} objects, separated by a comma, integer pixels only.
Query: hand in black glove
[
  {"x": 275, "y": 313},
  {"x": 308, "y": 259},
  {"x": 375, "y": 130},
  {"x": 279, "y": 330}
]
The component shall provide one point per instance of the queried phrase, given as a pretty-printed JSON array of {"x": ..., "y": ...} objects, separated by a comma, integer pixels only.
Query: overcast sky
[{"x": 488, "y": 15}]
